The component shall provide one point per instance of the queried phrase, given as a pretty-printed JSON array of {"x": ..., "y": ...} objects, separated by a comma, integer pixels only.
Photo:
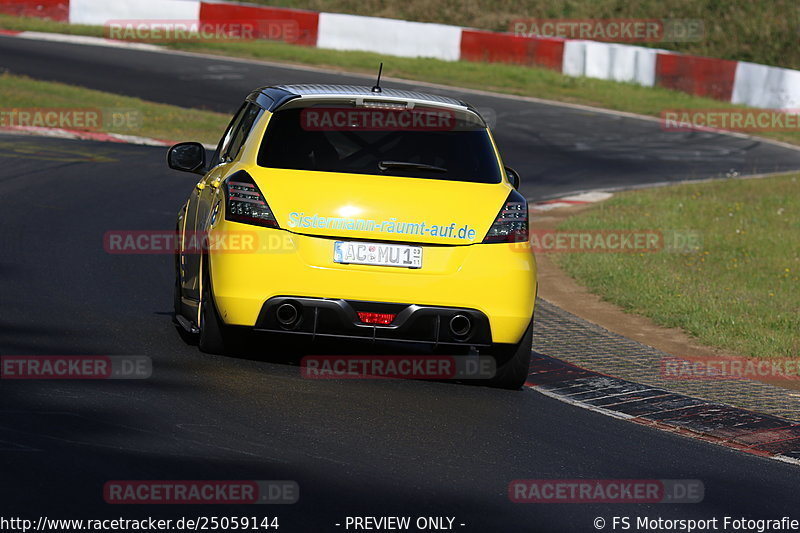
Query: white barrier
[
  {"x": 99, "y": 12},
  {"x": 388, "y": 36},
  {"x": 574, "y": 60},
  {"x": 597, "y": 62},
  {"x": 606, "y": 61},
  {"x": 766, "y": 87},
  {"x": 622, "y": 63},
  {"x": 646, "y": 65}
]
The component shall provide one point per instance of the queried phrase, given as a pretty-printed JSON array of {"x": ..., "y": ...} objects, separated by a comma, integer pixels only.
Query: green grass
[
  {"x": 9, "y": 22},
  {"x": 159, "y": 121},
  {"x": 511, "y": 79},
  {"x": 739, "y": 291},
  {"x": 763, "y": 31}
]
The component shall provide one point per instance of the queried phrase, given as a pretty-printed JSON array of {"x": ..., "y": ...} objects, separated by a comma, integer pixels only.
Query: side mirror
[
  {"x": 187, "y": 157},
  {"x": 513, "y": 177}
]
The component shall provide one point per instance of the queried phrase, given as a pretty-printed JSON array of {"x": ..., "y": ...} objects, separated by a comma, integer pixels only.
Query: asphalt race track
[
  {"x": 555, "y": 149},
  {"x": 366, "y": 448}
]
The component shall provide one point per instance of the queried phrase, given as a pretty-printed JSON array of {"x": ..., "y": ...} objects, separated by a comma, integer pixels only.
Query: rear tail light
[
  {"x": 245, "y": 203},
  {"x": 382, "y": 319},
  {"x": 511, "y": 224}
]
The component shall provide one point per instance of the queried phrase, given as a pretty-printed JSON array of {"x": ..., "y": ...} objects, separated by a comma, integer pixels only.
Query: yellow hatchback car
[{"x": 352, "y": 212}]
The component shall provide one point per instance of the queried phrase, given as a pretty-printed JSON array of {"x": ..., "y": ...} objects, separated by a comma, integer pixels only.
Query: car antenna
[{"x": 377, "y": 87}]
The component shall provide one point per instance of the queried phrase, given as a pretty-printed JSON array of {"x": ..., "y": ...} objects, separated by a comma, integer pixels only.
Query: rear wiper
[{"x": 386, "y": 165}]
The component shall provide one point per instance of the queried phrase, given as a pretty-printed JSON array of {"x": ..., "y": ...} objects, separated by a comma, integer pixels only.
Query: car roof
[{"x": 271, "y": 98}]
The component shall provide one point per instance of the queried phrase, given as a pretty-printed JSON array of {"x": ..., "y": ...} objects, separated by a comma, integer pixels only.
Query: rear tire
[
  {"x": 215, "y": 337},
  {"x": 513, "y": 362},
  {"x": 186, "y": 336},
  {"x": 176, "y": 296}
]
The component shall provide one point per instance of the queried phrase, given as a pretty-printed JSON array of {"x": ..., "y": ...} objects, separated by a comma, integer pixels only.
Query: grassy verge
[
  {"x": 511, "y": 79},
  {"x": 147, "y": 119},
  {"x": 740, "y": 290},
  {"x": 10, "y": 22}
]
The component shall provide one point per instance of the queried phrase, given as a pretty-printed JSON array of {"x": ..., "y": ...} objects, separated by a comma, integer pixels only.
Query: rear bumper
[
  {"x": 317, "y": 317},
  {"x": 497, "y": 281}
]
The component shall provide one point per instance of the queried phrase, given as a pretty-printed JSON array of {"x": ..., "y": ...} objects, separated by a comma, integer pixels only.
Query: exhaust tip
[
  {"x": 287, "y": 315},
  {"x": 460, "y": 325}
]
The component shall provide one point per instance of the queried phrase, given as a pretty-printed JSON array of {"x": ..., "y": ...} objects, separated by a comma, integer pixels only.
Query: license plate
[{"x": 373, "y": 253}]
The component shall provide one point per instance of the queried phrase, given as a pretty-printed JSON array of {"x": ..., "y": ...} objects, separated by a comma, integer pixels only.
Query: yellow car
[{"x": 357, "y": 213}]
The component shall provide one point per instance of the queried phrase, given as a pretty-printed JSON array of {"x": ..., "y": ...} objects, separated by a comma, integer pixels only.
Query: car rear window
[{"x": 420, "y": 143}]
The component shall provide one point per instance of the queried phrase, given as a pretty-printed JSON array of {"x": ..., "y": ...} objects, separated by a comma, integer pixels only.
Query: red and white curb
[
  {"x": 571, "y": 200},
  {"x": 759, "y": 434},
  {"x": 84, "y": 135},
  {"x": 80, "y": 39}
]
